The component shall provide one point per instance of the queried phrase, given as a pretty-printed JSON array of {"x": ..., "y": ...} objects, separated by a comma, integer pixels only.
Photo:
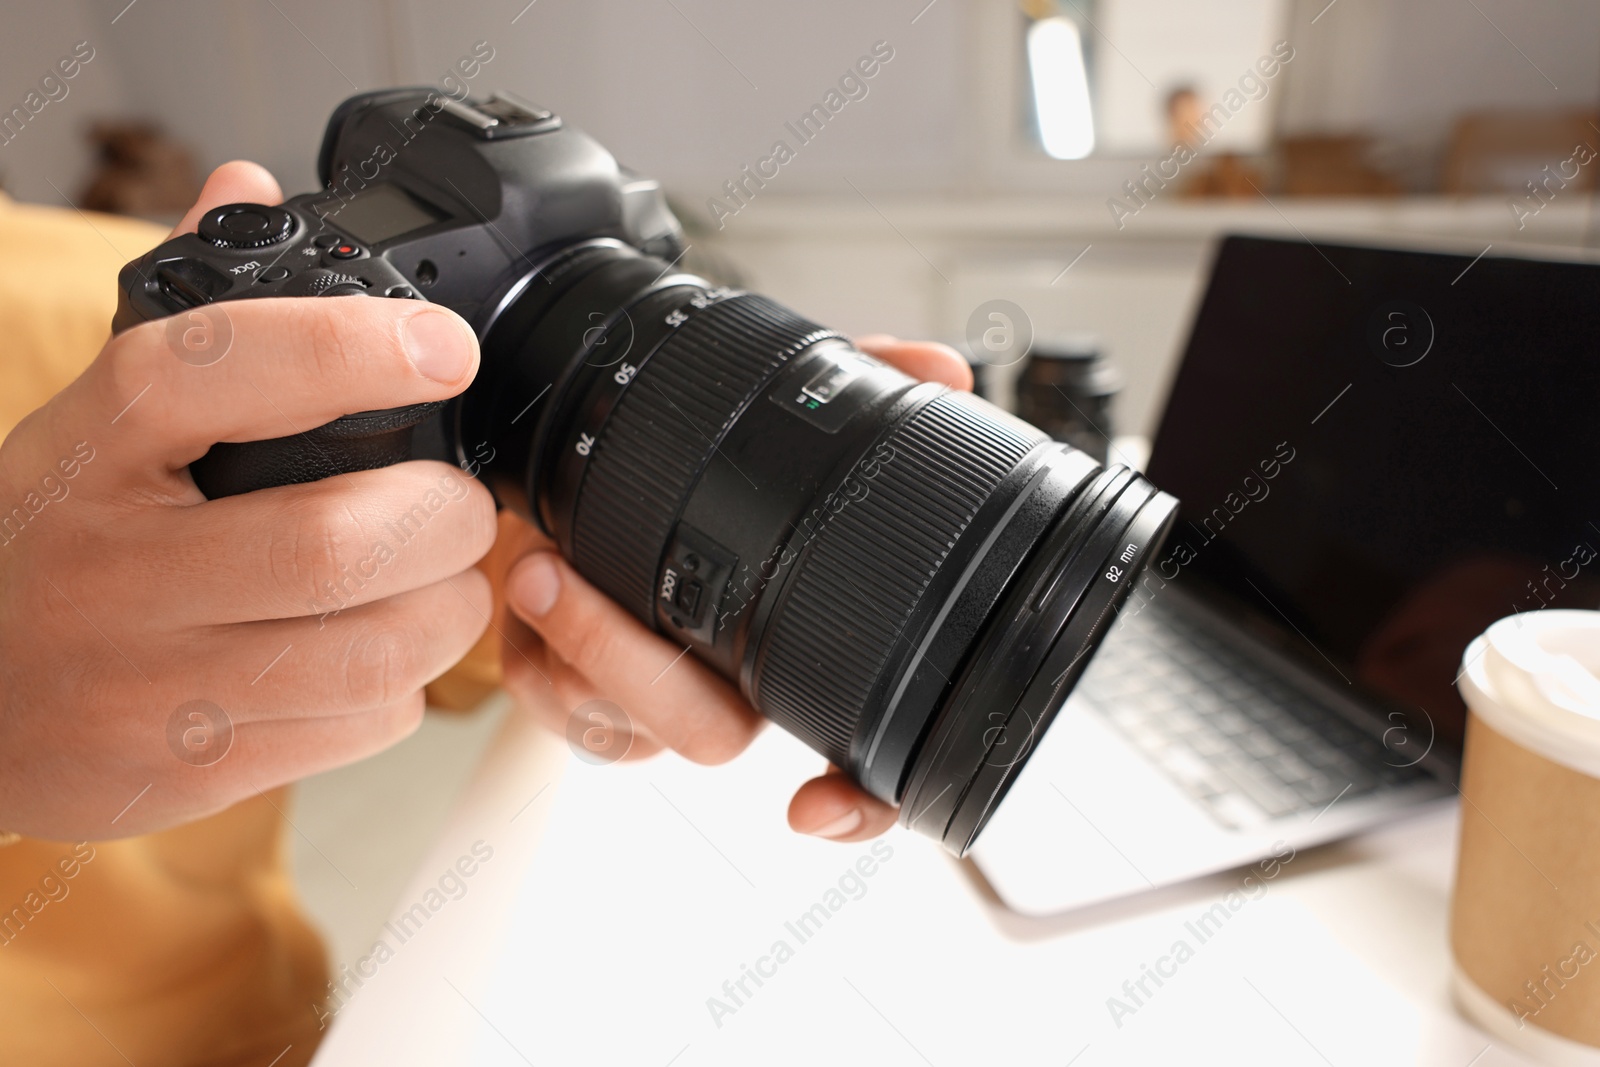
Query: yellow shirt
[{"x": 181, "y": 948}]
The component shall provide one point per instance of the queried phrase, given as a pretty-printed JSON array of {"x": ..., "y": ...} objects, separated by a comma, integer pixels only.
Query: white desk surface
[{"x": 621, "y": 898}]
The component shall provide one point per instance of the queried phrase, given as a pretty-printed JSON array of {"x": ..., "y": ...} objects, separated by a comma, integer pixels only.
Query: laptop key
[
  {"x": 1234, "y": 811},
  {"x": 1234, "y": 724},
  {"x": 1191, "y": 772},
  {"x": 1271, "y": 796},
  {"x": 1260, "y": 745},
  {"x": 1209, "y": 744},
  {"x": 1318, "y": 790}
]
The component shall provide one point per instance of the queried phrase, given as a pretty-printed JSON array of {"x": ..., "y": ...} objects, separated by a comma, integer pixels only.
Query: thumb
[
  {"x": 833, "y": 807},
  {"x": 232, "y": 183}
]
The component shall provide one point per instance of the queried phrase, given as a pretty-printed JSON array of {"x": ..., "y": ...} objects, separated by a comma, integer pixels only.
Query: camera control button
[
  {"x": 401, "y": 292},
  {"x": 327, "y": 283},
  {"x": 345, "y": 250},
  {"x": 274, "y": 274},
  {"x": 327, "y": 240},
  {"x": 245, "y": 226}
]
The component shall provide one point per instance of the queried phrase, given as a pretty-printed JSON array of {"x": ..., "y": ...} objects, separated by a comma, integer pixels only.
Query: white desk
[{"x": 621, "y": 899}]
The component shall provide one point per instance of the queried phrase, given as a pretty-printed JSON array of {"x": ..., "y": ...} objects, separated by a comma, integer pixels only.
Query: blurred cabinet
[{"x": 920, "y": 266}]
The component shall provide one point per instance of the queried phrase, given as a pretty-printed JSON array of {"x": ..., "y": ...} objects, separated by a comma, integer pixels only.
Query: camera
[{"x": 905, "y": 577}]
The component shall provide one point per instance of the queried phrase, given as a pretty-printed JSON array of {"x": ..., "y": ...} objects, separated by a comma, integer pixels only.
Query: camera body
[
  {"x": 423, "y": 196},
  {"x": 905, "y": 577}
]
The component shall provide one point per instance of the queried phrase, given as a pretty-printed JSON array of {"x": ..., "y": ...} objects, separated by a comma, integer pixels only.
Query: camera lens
[{"x": 905, "y": 577}]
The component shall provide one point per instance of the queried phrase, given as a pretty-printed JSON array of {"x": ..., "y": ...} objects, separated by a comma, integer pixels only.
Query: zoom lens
[{"x": 906, "y": 578}]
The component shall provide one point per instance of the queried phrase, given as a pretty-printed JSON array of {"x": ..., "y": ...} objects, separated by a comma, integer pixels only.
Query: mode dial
[{"x": 246, "y": 225}]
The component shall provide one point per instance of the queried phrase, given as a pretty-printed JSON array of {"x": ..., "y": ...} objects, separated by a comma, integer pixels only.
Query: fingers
[
  {"x": 316, "y": 548},
  {"x": 361, "y": 659},
  {"x": 927, "y": 360},
  {"x": 264, "y": 755},
  {"x": 541, "y": 683},
  {"x": 555, "y": 694},
  {"x": 671, "y": 694},
  {"x": 232, "y": 183},
  {"x": 290, "y": 364},
  {"x": 283, "y": 366},
  {"x": 834, "y": 807},
  {"x": 273, "y": 753},
  {"x": 261, "y": 756}
]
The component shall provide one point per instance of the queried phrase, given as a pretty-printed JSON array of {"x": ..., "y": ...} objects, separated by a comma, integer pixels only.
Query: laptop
[{"x": 1379, "y": 452}]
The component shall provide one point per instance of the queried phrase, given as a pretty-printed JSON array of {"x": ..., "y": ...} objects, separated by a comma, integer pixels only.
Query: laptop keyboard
[{"x": 1245, "y": 745}]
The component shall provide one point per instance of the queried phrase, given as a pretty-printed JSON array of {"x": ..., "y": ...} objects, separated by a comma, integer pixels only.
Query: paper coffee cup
[{"x": 1525, "y": 921}]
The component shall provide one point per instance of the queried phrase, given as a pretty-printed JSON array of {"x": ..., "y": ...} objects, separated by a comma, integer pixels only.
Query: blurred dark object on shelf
[
  {"x": 1502, "y": 151},
  {"x": 1219, "y": 175},
  {"x": 1065, "y": 388},
  {"x": 1333, "y": 165},
  {"x": 1222, "y": 176},
  {"x": 140, "y": 171}
]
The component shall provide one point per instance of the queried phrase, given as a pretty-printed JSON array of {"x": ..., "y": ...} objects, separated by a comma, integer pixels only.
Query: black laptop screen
[{"x": 1379, "y": 453}]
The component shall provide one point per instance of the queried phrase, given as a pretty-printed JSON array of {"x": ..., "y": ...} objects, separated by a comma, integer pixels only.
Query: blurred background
[
  {"x": 1068, "y": 162},
  {"x": 976, "y": 164}
]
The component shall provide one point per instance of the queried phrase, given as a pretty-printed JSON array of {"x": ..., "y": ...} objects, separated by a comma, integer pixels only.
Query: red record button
[{"x": 345, "y": 250}]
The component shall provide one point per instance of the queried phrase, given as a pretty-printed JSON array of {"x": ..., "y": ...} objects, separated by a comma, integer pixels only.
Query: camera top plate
[{"x": 253, "y": 250}]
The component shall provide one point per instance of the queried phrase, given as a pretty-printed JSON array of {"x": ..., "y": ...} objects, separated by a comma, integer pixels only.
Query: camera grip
[{"x": 360, "y": 442}]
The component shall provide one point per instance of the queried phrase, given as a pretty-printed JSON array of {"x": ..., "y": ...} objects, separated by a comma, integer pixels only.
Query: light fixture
[{"x": 1060, "y": 88}]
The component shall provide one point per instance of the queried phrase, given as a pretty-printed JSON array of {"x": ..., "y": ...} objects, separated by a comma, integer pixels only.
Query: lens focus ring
[
  {"x": 862, "y": 577},
  {"x": 663, "y": 431}
]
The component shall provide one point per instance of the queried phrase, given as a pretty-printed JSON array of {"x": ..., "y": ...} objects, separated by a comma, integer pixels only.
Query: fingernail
[
  {"x": 845, "y": 824},
  {"x": 536, "y": 584},
  {"x": 438, "y": 345}
]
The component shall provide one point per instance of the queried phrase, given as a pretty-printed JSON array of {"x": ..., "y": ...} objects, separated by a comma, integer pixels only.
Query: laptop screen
[{"x": 1379, "y": 453}]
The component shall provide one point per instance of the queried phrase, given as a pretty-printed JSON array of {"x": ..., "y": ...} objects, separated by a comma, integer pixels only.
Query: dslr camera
[{"x": 905, "y": 577}]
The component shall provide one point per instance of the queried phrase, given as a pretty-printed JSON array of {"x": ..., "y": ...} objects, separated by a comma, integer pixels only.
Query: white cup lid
[{"x": 1535, "y": 678}]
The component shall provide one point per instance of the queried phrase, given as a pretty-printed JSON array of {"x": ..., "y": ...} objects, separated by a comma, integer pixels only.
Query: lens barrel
[{"x": 906, "y": 578}]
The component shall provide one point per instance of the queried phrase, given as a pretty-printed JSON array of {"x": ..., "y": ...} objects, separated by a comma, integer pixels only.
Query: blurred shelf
[{"x": 1034, "y": 217}]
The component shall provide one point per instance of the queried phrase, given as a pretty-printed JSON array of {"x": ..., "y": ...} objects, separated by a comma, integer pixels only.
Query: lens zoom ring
[
  {"x": 855, "y": 590},
  {"x": 663, "y": 431}
]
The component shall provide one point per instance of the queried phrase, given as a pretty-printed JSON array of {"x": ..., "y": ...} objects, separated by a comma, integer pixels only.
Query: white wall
[
  {"x": 692, "y": 89},
  {"x": 257, "y": 78},
  {"x": 1406, "y": 67},
  {"x": 51, "y": 149}
]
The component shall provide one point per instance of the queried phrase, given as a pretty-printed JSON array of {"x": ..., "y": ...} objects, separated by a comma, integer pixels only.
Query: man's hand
[
  {"x": 163, "y": 656},
  {"x": 583, "y": 647}
]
